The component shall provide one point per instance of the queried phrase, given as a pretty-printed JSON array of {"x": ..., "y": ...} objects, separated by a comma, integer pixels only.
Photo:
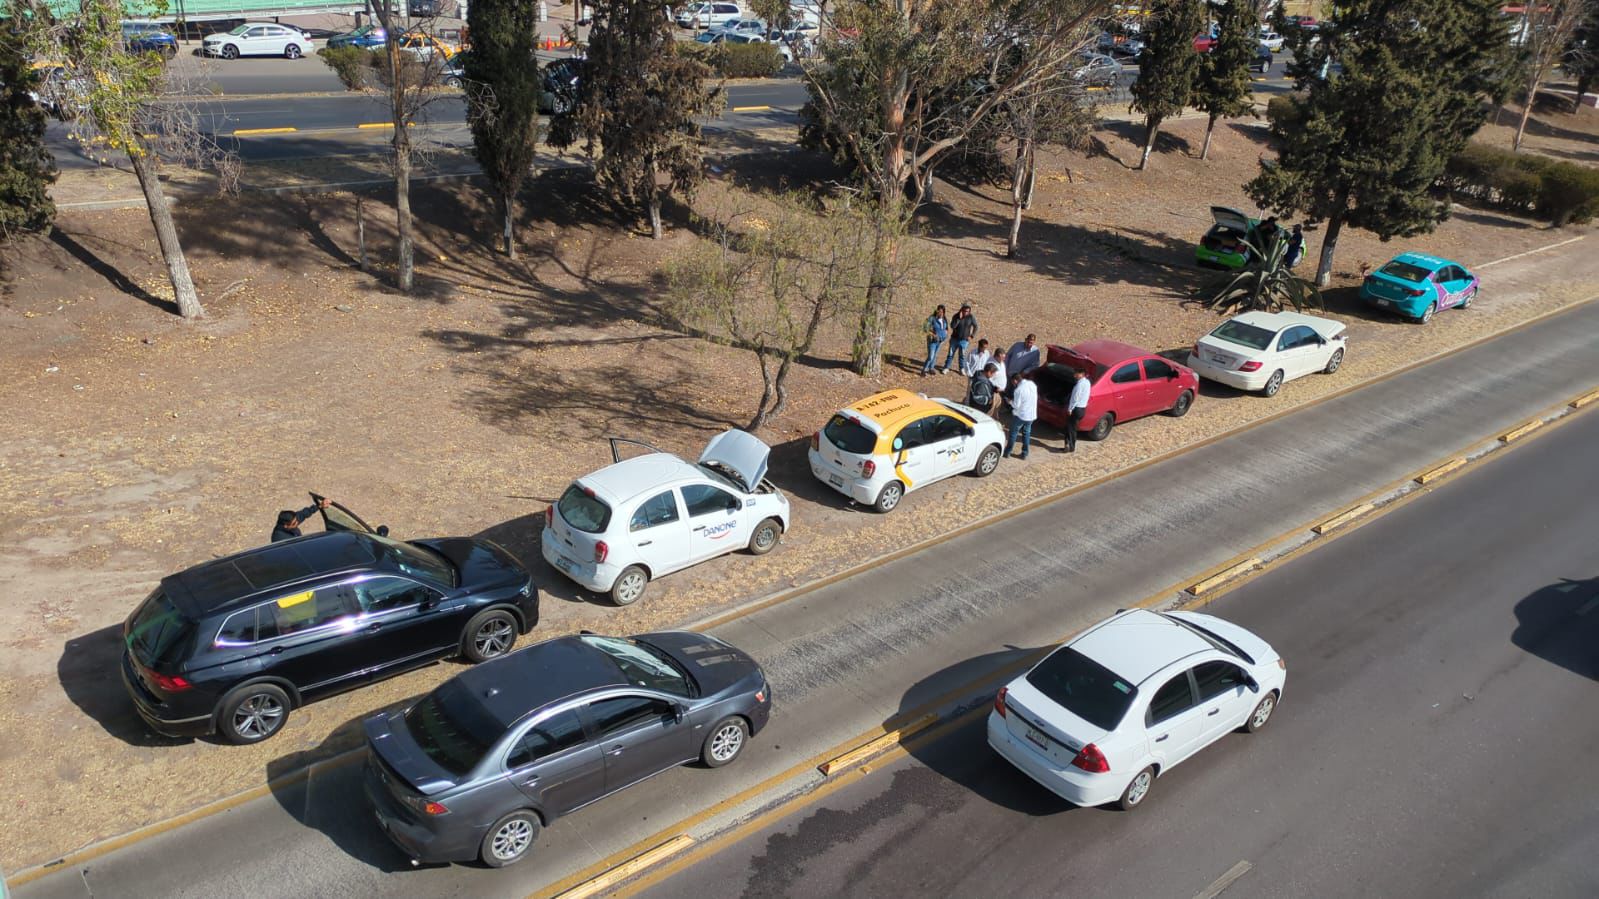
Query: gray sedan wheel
[
  {"x": 509, "y": 839},
  {"x": 489, "y": 635},
  {"x": 725, "y": 742}
]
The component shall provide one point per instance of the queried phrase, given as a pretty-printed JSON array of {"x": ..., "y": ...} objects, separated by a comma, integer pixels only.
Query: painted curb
[
  {"x": 1585, "y": 399},
  {"x": 1216, "y": 580},
  {"x": 626, "y": 870},
  {"x": 1343, "y": 518},
  {"x": 1442, "y": 471},
  {"x": 1514, "y": 434},
  {"x": 876, "y": 747}
]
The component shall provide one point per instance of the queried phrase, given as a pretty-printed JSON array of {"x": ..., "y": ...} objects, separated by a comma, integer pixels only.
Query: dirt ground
[{"x": 132, "y": 445}]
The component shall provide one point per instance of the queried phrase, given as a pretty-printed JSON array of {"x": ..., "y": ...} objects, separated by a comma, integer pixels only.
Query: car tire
[
  {"x": 1428, "y": 313},
  {"x": 1137, "y": 790},
  {"x": 230, "y": 52},
  {"x": 252, "y": 713},
  {"x": 1261, "y": 715},
  {"x": 888, "y": 498},
  {"x": 1465, "y": 301},
  {"x": 629, "y": 586},
  {"x": 1333, "y": 361},
  {"x": 765, "y": 537},
  {"x": 987, "y": 462},
  {"x": 490, "y": 634},
  {"x": 1273, "y": 384},
  {"x": 725, "y": 742},
  {"x": 509, "y": 839},
  {"x": 292, "y": 51},
  {"x": 1185, "y": 401},
  {"x": 452, "y": 81},
  {"x": 1103, "y": 427}
]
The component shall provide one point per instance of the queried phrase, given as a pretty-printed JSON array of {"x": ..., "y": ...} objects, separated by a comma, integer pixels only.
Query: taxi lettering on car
[
  {"x": 887, "y": 445},
  {"x": 1419, "y": 286}
]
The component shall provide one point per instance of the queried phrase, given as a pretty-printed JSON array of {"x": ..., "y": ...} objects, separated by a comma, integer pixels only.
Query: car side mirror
[
  {"x": 1171, "y": 375},
  {"x": 383, "y": 530},
  {"x": 1321, "y": 341},
  {"x": 679, "y": 712},
  {"x": 1252, "y": 684},
  {"x": 428, "y": 602}
]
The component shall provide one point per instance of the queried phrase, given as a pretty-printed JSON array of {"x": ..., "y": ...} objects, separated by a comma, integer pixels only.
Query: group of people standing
[{"x": 992, "y": 375}]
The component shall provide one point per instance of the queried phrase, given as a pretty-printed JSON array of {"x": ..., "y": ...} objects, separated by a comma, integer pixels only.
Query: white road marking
[
  {"x": 1530, "y": 252},
  {"x": 1224, "y": 881}
]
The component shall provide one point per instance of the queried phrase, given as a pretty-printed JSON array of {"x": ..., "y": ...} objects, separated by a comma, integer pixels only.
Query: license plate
[
  {"x": 836, "y": 481},
  {"x": 564, "y": 564},
  {"x": 1385, "y": 302},
  {"x": 1037, "y": 738}
]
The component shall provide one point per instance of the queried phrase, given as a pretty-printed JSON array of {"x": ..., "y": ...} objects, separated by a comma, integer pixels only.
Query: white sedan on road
[
  {"x": 615, "y": 530},
  {"x": 1262, "y": 350},
  {"x": 257, "y": 39},
  {"x": 1104, "y": 715}
]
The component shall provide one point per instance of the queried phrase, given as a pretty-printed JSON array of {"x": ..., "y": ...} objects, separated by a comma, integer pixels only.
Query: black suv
[{"x": 232, "y": 645}]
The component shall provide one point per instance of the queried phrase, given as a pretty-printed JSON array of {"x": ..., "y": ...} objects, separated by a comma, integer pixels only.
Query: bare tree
[
  {"x": 1545, "y": 35},
  {"x": 1056, "y": 112}
]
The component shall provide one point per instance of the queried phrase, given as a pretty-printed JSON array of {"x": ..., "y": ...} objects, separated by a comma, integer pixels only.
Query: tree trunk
[
  {"x": 1583, "y": 84},
  {"x": 655, "y": 214},
  {"x": 866, "y": 355},
  {"x": 405, "y": 274},
  {"x": 1204, "y": 150},
  {"x": 1526, "y": 113},
  {"x": 1151, "y": 130},
  {"x": 1020, "y": 192},
  {"x": 508, "y": 216},
  {"x": 360, "y": 230},
  {"x": 166, "y": 234},
  {"x": 780, "y": 388},
  {"x": 761, "y": 412},
  {"x": 1329, "y": 242}
]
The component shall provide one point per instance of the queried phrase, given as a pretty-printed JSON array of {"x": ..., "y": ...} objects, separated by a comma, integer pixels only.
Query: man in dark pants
[
  {"x": 1076, "y": 405},
  {"x": 289, "y": 521}
]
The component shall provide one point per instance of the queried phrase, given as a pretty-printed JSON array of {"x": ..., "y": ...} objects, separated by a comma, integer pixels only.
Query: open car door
[{"x": 335, "y": 517}]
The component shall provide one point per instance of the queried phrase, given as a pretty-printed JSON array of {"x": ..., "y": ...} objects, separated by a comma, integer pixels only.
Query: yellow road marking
[
  {"x": 1442, "y": 471},
  {"x": 630, "y": 867},
  {"x": 1216, "y": 580},
  {"x": 242, "y": 132},
  {"x": 1585, "y": 399},
  {"x": 876, "y": 747},
  {"x": 1516, "y": 433},
  {"x": 751, "y": 108},
  {"x": 1343, "y": 518},
  {"x": 375, "y": 125}
]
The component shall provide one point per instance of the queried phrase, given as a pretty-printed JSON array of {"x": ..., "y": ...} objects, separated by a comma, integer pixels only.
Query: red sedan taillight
[
  {"x": 600, "y": 551},
  {"x": 1090, "y": 759},
  {"x": 1250, "y": 366},
  {"x": 999, "y": 701}
]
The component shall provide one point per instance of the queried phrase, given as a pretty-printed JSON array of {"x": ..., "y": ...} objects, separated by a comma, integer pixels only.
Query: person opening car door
[
  {"x": 660, "y": 530},
  {"x": 715, "y": 519}
]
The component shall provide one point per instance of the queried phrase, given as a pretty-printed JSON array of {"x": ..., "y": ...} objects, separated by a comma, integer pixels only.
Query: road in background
[{"x": 1440, "y": 710}]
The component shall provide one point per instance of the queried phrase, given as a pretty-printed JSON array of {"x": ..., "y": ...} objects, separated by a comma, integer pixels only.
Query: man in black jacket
[
  {"x": 962, "y": 328},
  {"x": 289, "y": 521}
]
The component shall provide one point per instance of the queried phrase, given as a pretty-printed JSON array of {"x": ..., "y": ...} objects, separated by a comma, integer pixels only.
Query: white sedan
[
  {"x": 257, "y": 39},
  {"x": 1262, "y": 350},
  {"x": 615, "y": 530},
  {"x": 1272, "y": 41},
  {"x": 1104, "y": 715}
]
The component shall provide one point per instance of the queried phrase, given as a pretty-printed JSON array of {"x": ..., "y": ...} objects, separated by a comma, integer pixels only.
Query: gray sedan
[{"x": 476, "y": 768}]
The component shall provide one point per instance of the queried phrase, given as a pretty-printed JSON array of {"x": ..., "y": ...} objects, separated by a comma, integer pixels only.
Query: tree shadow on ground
[
  {"x": 778, "y": 170},
  {"x": 1559, "y": 623},
  {"x": 1255, "y": 131},
  {"x": 1479, "y": 215},
  {"x": 88, "y": 672},
  {"x": 109, "y": 272},
  {"x": 1132, "y": 133},
  {"x": 1548, "y": 104}
]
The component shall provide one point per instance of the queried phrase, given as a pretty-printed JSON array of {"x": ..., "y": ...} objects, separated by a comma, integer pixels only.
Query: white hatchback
[
  {"x": 1262, "y": 350},
  {"x": 615, "y": 530},
  {"x": 1104, "y": 715}
]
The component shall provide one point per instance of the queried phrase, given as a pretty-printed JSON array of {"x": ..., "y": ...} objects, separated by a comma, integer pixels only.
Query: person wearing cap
[
  {"x": 962, "y": 328},
  {"x": 289, "y": 521}
]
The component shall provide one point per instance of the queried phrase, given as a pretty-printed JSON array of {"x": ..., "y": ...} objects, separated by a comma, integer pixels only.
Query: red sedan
[{"x": 1125, "y": 383}]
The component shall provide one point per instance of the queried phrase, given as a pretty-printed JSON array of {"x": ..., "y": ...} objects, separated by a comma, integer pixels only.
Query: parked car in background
[
  {"x": 477, "y": 767},
  {"x": 1121, "y": 45},
  {"x": 708, "y": 15},
  {"x": 1226, "y": 244},
  {"x": 1129, "y": 699},
  {"x": 1097, "y": 70},
  {"x": 426, "y": 46},
  {"x": 257, "y": 39},
  {"x": 367, "y": 37},
  {"x": 1271, "y": 40},
  {"x": 617, "y": 529},
  {"x": 1419, "y": 286},
  {"x": 149, "y": 37},
  {"x": 426, "y": 9},
  {"x": 747, "y": 27},
  {"x": 1263, "y": 60},
  {"x": 1302, "y": 23},
  {"x": 230, "y": 646},
  {"x": 1262, "y": 350},
  {"x": 1125, "y": 383},
  {"x": 561, "y": 80},
  {"x": 1205, "y": 43},
  {"x": 889, "y": 444}
]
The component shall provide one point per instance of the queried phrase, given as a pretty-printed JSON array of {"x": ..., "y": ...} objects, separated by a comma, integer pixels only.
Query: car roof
[
  {"x": 1422, "y": 260},
  {"x": 1109, "y": 352},
  {"x": 1135, "y": 645},
  {"x": 221, "y": 583},
  {"x": 531, "y": 678},
  {"x": 888, "y": 410},
  {"x": 1276, "y": 321},
  {"x": 621, "y": 481}
]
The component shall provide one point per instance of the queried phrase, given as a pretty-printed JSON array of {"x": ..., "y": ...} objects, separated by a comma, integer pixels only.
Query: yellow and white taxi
[{"x": 887, "y": 445}]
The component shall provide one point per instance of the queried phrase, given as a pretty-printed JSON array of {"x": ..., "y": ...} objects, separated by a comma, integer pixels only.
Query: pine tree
[
  {"x": 1224, "y": 89},
  {"x": 26, "y": 167},
  {"x": 1403, "y": 92},
  {"x": 502, "y": 84},
  {"x": 1168, "y": 66}
]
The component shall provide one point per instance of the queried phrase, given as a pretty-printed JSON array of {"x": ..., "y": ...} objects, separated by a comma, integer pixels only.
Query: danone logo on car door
[{"x": 718, "y": 531}]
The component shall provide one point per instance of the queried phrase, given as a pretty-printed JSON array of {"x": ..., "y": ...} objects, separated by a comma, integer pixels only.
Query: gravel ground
[{"x": 131, "y": 446}]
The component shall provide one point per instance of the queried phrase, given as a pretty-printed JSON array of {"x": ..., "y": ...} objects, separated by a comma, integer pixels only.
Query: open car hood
[
  {"x": 740, "y": 455},
  {"x": 1230, "y": 218}
]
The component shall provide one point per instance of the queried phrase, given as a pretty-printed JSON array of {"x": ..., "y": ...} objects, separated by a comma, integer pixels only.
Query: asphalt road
[
  {"x": 1440, "y": 712},
  {"x": 877, "y": 646}
]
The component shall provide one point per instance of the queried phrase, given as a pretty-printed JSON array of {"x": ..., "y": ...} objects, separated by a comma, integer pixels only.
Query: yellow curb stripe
[
  {"x": 1514, "y": 434},
  {"x": 630, "y": 868},
  {"x": 375, "y": 125},
  {"x": 1442, "y": 471},
  {"x": 1343, "y": 518},
  {"x": 1585, "y": 399},
  {"x": 876, "y": 747},
  {"x": 242, "y": 132},
  {"x": 751, "y": 108},
  {"x": 1216, "y": 580}
]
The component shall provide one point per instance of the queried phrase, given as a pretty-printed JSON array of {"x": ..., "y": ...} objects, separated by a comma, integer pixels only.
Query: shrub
[
  {"x": 1282, "y": 111},
  {"x": 1569, "y": 194},
  {"x": 747, "y": 60},
  {"x": 1558, "y": 192},
  {"x": 349, "y": 63}
]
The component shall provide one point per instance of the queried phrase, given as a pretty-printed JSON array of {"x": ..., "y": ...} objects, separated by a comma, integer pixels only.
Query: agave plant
[{"x": 1267, "y": 284}]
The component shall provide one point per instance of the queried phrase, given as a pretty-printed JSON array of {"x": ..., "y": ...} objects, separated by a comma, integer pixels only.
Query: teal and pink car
[{"x": 1418, "y": 286}]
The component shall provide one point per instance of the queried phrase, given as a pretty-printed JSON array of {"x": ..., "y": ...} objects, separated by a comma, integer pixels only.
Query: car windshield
[
  {"x": 1244, "y": 335},
  {"x": 1404, "y": 271},
  {"x": 644, "y": 665},
  {"x": 417, "y": 561},
  {"x": 850, "y": 435},
  {"x": 581, "y": 509},
  {"x": 240, "y": 29},
  {"x": 452, "y": 727},
  {"x": 1083, "y": 687},
  {"x": 158, "y": 632}
]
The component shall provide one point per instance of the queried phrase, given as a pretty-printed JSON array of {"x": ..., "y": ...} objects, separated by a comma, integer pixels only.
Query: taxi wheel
[
  {"x": 765, "y": 537},
  {"x": 987, "y": 462},
  {"x": 629, "y": 585},
  {"x": 892, "y": 493}
]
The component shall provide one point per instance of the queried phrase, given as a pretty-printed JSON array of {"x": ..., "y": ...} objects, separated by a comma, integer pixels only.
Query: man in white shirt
[
  {"x": 1076, "y": 405},
  {"x": 975, "y": 361},
  {"x": 1023, "y": 412}
]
